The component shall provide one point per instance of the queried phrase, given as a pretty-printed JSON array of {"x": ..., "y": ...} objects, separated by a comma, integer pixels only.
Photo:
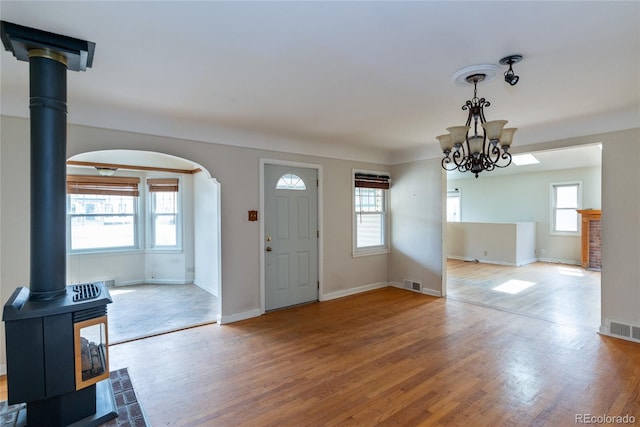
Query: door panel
[
  {"x": 291, "y": 237},
  {"x": 282, "y": 267},
  {"x": 282, "y": 218}
]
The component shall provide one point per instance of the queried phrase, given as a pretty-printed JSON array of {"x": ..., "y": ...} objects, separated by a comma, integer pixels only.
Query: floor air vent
[{"x": 412, "y": 286}]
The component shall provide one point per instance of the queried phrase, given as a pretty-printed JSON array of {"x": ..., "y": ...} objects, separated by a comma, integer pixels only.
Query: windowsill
[
  {"x": 368, "y": 252},
  {"x": 128, "y": 251},
  {"x": 565, "y": 233}
]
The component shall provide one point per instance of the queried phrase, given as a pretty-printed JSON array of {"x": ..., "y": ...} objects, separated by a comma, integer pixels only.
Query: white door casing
[{"x": 290, "y": 235}]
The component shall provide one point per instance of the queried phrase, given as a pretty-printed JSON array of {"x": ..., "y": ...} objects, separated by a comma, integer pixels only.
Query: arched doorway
[{"x": 156, "y": 247}]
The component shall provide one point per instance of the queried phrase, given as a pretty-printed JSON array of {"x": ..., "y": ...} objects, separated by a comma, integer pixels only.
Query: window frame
[
  {"x": 136, "y": 228},
  {"x": 143, "y": 223},
  {"x": 458, "y": 196},
  {"x": 369, "y": 250},
  {"x": 553, "y": 209},
  {"x": 151, "y": 215}
]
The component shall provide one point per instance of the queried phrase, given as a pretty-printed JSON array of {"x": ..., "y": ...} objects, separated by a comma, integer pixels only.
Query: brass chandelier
[{"x": 476, "y": 152}]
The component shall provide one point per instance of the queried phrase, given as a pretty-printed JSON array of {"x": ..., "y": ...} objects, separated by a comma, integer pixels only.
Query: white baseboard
[
  {"x": 352, "y": 291},
  {"x": 129, "y": 282},
  {"x": 483, "y": 261},
  {"x": 236, "y": 317},
  {"x": 167, "y": 282},
  {"x": 431, "y": 292},
  {"x": 3, "y": 369},
  {"x": 210, "y": 289},
  {"x": 605, "y": 331},
  {"x": 153, "y": 282},
  {"x": 560, "y": 261},
  {"x": 527, "y": 261},
  {"x": 425, "y": 291}
]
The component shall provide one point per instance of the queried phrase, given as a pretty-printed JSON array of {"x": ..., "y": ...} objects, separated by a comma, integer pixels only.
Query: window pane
[
  {"x": 369, "y": 199},
  {"x": 566, "y": 220},
  {"x": 165, "y": 230},
  {"x": 102, "y": 231},
  {"x": 369, "y": 230},
  {"x": 88, "y": 203},
  {"x": 453, "y": 209},
  {"x": 165, "y": 201},
  {"x": 290, "y": 181},
  {"x": 567, "y": 196}
]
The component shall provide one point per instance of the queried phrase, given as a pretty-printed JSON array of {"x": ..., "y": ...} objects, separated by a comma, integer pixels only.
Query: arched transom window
[{"x": 290, "y": 181}]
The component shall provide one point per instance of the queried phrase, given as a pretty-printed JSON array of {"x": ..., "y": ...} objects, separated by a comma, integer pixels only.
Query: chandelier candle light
[{"x": 479, "y": 151}]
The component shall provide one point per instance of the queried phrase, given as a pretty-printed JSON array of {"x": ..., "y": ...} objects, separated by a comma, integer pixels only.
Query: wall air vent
[
  {"x": 412, "y": 285},
  {"x": 620, "y": 329},
  {"x": 624, "y": 330}
]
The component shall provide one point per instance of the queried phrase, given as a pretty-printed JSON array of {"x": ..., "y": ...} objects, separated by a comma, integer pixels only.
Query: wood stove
[
  {"x": 57, "y": 356},
  {"x": 56, "y": 335}
]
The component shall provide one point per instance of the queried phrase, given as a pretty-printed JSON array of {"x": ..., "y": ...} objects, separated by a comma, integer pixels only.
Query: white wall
[
  {"x": 621, "y": 228},
  {"x": 206, "y": 197},
  {"x": 526, "y": 198},
  {"x": 14, "y": 218},
  {"x": 494, "y": 243},
  {"x": 416, "y": 224}
]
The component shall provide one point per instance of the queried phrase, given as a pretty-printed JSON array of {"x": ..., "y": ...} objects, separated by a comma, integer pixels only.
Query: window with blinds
[
  {"x": 370, "y": 211},
  {"x": 163, "y": 195},
  {"x": 102, "y": 212}
]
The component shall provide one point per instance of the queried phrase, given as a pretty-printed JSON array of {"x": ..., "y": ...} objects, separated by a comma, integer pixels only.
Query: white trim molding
[
  {"x": 353, "y": 291},
  {"x": 236, "y": 317},
  {"x": 488, "y": 261},
  {"x": 425, "y": 291}
]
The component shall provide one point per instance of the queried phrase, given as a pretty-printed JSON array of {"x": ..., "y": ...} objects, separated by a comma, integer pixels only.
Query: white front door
[{"x": 291, "y": 235}]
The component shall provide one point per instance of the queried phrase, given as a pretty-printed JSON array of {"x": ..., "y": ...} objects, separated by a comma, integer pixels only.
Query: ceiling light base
[
  {"x": 511, "y": 59},
  {"x": 476, "y": 78}
]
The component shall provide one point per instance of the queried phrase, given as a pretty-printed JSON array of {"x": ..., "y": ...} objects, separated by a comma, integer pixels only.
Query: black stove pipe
[
  {"x": 50, "y": 56},
  {"x": 48, "y": 106}
]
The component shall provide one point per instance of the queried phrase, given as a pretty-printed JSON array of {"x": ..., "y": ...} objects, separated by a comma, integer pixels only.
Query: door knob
[{"x": 268, "y": 249}]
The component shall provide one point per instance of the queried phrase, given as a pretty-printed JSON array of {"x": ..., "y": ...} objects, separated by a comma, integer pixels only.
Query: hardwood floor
[
  {"x": 385, "y": 357},
  {"x": 560, "y": 293}
]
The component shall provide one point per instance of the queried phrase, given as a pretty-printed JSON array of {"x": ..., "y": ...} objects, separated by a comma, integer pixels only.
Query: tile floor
[{"x": 139, "y": 311}]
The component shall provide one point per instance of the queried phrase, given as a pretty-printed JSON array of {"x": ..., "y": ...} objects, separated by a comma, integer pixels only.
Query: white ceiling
[{"x": 358, "y": 80}]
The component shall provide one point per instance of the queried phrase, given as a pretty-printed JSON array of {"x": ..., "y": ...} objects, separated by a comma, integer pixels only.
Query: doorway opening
[
  {"x": 513, "y": 244},
  {"x": 156, "y": 245}
]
